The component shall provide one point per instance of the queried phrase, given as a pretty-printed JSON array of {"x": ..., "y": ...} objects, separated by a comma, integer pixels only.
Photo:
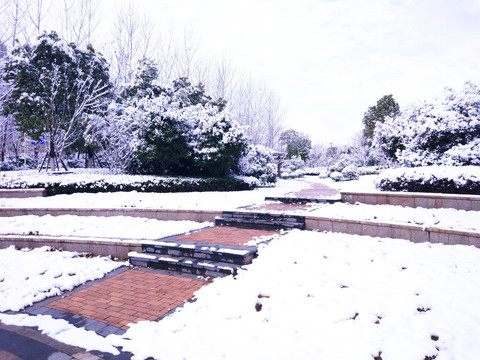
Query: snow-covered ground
[
  {"x": 115, "y": 227},
  {"x": 307, "y": 296},
  {"x": 330, "y": 296},
  {"x": 30, "y": 276}
]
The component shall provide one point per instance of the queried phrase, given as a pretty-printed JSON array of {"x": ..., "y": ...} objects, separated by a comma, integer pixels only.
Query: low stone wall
[
  {"x": 413, "y": 233},
  {"x": 424, "y": 200},
  {"x": 118, "y": 249},
  {"x": 22, "y": 193},
  {"x": 159, "y": 214}
]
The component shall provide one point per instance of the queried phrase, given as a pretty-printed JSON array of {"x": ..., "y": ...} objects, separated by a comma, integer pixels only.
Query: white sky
[{"x": 329, "y": 60}]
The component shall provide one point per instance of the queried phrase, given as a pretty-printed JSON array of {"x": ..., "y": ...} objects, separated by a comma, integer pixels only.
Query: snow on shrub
[
  {"x": 91, "y": 182},
  {"x": 432, "y": 179},
  {"x": 259, "y": 163},
  {"x": 293, "y": 168},
  {"x": 350, "y": 172},
  {"x": 444, "y": 131},
  {"x": 336, "y": 176}
]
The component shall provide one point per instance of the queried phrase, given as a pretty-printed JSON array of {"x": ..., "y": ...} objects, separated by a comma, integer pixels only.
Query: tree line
[{"x": 132, "y": 37}]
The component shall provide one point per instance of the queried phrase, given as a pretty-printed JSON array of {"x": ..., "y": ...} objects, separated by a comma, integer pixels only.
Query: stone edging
[
  {"x": 22, "y": 193},
  {"x": 414, "y": 233},
  {"x": 159, "y": 214},
  {"x": 424, "y": 200},
  {"x": 97, "y": 246}
]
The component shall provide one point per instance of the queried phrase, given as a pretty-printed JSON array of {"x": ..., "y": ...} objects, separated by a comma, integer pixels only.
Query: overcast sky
[{"x": 329, "y": 60}]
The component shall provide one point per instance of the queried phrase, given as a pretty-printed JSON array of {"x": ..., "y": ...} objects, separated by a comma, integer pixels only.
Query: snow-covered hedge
[
  {"x": 432, "y": 179},
  {"x": 84, "y": 181}
]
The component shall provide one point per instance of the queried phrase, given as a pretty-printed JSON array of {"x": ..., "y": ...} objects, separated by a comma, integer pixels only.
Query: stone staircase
[
  {"x": 259, "y": 220},
  {"x": 194, "y": 258}
]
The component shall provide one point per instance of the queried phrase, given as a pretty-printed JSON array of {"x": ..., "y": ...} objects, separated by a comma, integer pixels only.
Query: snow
[
  {"x": 308, "y": 295},
  {"x": 113, "y": 227},
  {"x": 29, "y": 276},
  {"x": 329, "y": 296},
  {"x": 62, "y": 331}
]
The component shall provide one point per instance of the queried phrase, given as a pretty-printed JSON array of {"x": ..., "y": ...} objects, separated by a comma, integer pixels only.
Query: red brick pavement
[
  {"x": 130, "y": 297},
  {"x": 317, "y": 190},
  {"x": 227, "y": 235},
  {"x": 278, "y": 206}
]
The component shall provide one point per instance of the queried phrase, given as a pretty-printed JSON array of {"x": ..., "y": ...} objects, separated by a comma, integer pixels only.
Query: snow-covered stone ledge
[
  {"x": 423, "y": 200},
  {"x": 159, "y": 214},
  {"x": 414, "y": 233}
]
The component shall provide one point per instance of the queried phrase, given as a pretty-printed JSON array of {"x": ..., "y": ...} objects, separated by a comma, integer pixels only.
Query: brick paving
[
  {"x": 278, "y": 206},
  {"x": 317, "y": 190},
  {"x": 130, "y": 297},
  {"x": 227, "y": 235}
]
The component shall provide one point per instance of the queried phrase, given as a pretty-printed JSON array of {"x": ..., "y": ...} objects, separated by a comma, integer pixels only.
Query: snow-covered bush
[
  {"x": 336, "y": 176},
  {"x": 368, "y": 170},
  {"x": 8, "y": 165},
  {"x": 259, "y": 163},
  {"x": 444, "y": 131},
  {"x": 293, "y": 168},
  {"x": 178, "y": 129},
  {"x": 350, "y": 172},
  {"x": 432, "y": 179}
]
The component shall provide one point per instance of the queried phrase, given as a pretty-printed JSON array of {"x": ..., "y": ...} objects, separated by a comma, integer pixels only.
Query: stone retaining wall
[
  {"x": 413, "y": 233},
  {"x": 424, "y": 200},
  {"x": 22, "y": 193},
  {"x": 119, "y": 249},
  {"x": 159, "y": 214}
]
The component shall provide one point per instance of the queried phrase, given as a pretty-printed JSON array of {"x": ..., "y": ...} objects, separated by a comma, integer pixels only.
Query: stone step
[
  {"x": 264, "y": 221},
  {"x": 301, "y": 200},
  {"x": 238, "y": 255},
  {"x": 258, "y": 224},
  {"x": 182, "y": 265}
]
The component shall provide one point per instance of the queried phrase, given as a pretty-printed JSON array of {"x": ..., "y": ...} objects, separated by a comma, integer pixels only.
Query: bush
[
  {"x": 293, "y": 168},
  {"x": 432, "y": 179},
  {"x": 260, "y": 164},
  {"x": 336, "y": 176},
  {"x": 350, "y": 173},
  {"x": 80, "y": 183}
]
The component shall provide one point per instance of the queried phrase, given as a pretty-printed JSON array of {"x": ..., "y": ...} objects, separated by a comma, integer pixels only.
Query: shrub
[
  {"x": 260, "y": 164},
  {"x": 432, "y": 179},
  {"x": 336, "y": 176},
  {"x": 350, "y": 172}
]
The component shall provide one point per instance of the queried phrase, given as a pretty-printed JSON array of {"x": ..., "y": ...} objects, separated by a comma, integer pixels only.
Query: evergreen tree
[
  {"x": 385, "y": 107},
  {"x": 54, "y": 86},
  {"x": 297, "y": 144}
]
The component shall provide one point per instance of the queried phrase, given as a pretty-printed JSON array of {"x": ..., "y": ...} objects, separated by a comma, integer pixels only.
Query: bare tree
[
  {"x": 132, "y": 36},
  {"x": 36, "y": 11},
  {"x": 78, "y": 20}
]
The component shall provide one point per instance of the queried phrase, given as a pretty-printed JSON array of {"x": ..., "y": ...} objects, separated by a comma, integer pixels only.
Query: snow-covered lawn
[
  {"x": 30, "y": 276},
  {"x": 330, "y": 296},
  {"x": 115, "y": 227}
]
